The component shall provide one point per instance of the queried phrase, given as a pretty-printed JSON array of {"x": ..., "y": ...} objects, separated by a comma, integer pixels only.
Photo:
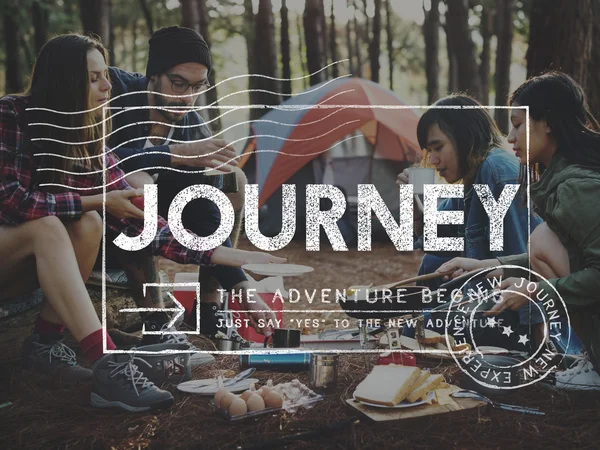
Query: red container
[
  {"x": 401, "y": 358},
  {"x": 186, "y": 295},
  {"x": 247, "y": 332}
]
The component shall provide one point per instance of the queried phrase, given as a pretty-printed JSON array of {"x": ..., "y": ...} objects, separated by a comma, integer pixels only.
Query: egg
[
  {"x": 238, "y": 407},
  {"x": 246, "y": 395},
  {"x": 273, "y": 400},
  {"x": 219, "y": 396},
  {"x": 227, "y": 400},
  {"x": 264, "y": 391},
  {"x": 255, "y": 403}
]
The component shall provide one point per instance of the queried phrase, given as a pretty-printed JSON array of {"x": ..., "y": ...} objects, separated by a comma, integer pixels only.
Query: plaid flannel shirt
[{"x": 22, "y": 200}]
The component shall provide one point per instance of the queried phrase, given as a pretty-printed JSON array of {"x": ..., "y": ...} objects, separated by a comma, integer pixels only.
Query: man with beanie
[{"x": 148, "y": 139}]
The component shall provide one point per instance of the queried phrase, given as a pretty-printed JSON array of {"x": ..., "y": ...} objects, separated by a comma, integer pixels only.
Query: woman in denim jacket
[{"x": 463, "y": 145}]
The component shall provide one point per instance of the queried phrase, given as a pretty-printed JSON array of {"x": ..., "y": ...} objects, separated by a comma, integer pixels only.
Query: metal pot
[{"x": 227, "y": 345}]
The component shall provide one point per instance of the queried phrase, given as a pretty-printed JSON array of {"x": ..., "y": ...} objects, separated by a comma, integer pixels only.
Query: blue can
[{"x": 289, "y": 362}]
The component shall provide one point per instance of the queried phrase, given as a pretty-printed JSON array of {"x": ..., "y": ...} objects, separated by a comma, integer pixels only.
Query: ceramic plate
[
  {"x": 209, "y": 386},
  {"x": 401, "y": 405},
  {"x": 281, "y": 270}
]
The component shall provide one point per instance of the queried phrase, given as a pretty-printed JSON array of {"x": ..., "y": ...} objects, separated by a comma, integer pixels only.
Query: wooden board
[{"x": 446, "y": 404}]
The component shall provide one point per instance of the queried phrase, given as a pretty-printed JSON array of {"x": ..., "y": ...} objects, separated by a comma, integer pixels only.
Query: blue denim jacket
[{"x": 498, "y": 169}]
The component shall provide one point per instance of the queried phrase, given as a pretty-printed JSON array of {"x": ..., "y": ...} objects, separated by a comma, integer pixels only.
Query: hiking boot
[
  {"x": 196, "y": 359},
  {"x": 165, "y": 363},
  {"x": 581, "y": 376},
  {"x": 55, "y": 359},
  {"x": 118, "y": 383},
  {"x": 210, "y": 318}
]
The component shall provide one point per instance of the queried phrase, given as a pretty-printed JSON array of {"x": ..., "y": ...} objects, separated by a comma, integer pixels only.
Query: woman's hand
[
  {"x": 457, "y": 266},
  {"x": 118, "y": 204},
  {"x": 263, "y": 258},
  {"x": 514, "y": 300},
  {"x": 417, "y": 213},
  {"x": 402, "y": 177}
]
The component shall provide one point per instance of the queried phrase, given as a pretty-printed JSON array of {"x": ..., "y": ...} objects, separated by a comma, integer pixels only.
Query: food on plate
[
  {"x": 255, "y": 403},
  {"x": 420, "y": 391},
  {"x": 432, "y": 338},
  {"x": 227, "y": 400},
  {"x": 424, "y": 375},
  {"x": 464, "y": 347},
  {"x": 387, "y": 385},
  {"x": 238, "y": 407}
]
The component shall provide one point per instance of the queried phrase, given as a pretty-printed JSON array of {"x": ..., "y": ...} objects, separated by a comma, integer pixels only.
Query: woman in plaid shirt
[{"x": 51, "y": 176}]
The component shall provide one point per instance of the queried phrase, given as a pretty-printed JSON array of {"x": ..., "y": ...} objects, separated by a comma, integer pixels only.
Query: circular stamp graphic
[{"x": 481, "y": 299}]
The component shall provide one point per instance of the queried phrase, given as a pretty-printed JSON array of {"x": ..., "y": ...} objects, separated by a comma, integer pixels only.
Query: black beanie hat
[{"x": 176, "y": 45}]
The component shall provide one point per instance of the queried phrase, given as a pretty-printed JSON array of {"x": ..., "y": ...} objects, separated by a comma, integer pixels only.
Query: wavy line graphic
[
  {"x": 191, "y": 95},
  {"x": 173, "y": 169},
  {"x": 51, "y": 169}
]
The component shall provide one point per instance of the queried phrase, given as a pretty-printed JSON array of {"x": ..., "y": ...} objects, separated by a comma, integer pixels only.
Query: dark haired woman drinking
[
  {"x": 50, "y": 230},
  {"x": 462, "y": 142},
  {"x": 564, "y": 168}
]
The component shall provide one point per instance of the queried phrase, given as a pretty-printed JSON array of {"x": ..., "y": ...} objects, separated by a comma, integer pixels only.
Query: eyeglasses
[{"x": 181, "y": 86}]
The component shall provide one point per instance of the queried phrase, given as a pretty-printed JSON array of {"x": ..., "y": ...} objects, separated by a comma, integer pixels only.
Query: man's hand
[
  {"x": 210, "y": 153},
  {"x": 458, "y": 266},
  {"x": 512, "y": 300}
]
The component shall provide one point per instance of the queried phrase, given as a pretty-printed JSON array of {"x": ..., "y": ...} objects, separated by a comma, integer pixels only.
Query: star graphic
[
  {"x": 491, "y": 322},
  {"x": 507, "y": 331},
  {"x": 523, "y": 339}
]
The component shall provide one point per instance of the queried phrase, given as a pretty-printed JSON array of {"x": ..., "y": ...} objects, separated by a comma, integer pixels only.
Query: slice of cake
[
  {"x": 424, "y": 388},
  {"x": 387, "y": 385}
]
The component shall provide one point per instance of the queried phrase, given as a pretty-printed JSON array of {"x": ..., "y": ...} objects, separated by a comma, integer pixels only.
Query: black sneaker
[
  {"x": 55, "y": 359},
  {"x": 118, "y": 383},
  {"x": 176, "y": 340},
  {"x": 210, "y": 318},
  {"x": 172, "y": 367}
]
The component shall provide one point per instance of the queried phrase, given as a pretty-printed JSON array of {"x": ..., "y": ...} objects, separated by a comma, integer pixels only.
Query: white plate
[
  {"x": 209, "y": 386},
  {"x": 400, "y": 405},
  {"x": 282, "y": 270},
  {"x": 489, "y": 350}
]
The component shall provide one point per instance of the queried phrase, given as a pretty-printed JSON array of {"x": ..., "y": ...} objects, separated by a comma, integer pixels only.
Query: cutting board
[{"x": 446, "y": 405}]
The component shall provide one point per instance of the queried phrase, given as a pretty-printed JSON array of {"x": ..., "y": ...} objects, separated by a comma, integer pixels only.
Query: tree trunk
[
  {"x": 313, "y": 32},
  {"x": 95, "y": 18},
  {"x": 134, "y": 48},
  {"x": 504, "y": 33},
  {"x": 39, "y": 16},
  {"x": 357, "y": 40},
  {"x": 452, "y": 66},
  {"x": 457, "y": 18},
  {"x": 190, "y": 15},
  {"x": 147, "y": 16},
  {"x": 301, "y": 50},
  {"x": 335, "y": 70},
  {"x": 349, "y": 42},
  {"x": 14, "y": 61},
  {"x": 111, "y": 36},
  {"x": 560, "y": 38},
  {"x": 250, "y": 37},
  {"x": 431, "y": 33},
  {"x": 211, "y": 96},
  {"x": 265, "y": 53},
  {"x": 325, "y": 43},
  {"x": 593, "y": 88},
  {"x": 286, "y": 71},
  {"x": 374, "y": 47},
  {"x": 487, "y": 30},
  {"x": 390, "y": 42}
]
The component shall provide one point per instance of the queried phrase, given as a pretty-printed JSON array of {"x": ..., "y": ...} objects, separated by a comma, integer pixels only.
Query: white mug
[{"x": 419, "y": 177}]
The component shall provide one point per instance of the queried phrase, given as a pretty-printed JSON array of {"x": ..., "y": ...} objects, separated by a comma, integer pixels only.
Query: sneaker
[
  {"x": 172, "y": 366},
  {"x": 196, "y": 359},
  {"x": 581, "y": 376},
  {"x": 118, "y": 383},
  {"x": 210, "y": 318},
  {"x": 55, "y": 359}
]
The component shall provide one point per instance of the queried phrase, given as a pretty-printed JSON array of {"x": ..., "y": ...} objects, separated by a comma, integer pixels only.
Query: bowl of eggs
[{"x": 268, "y": 398}]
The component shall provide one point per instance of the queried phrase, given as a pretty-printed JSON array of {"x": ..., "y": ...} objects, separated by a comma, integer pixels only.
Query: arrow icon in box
[{"x": 178, "y": 310}]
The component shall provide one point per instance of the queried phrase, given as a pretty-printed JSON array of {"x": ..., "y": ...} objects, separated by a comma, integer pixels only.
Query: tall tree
[
  {"x": 486, "y": 29},
  {"x": 357, "y": 41},
  {"x": 349, "y": 41},
  {"x": 390, "y": 42},
  {"x": 265, "y": 52},
  {"x": 95, "y": 18},
  {"x": 431, "y": 32},
  {"x": 12, "y": 45},
  {"x": 250, "y": 33},
  {"x": 560, "y": 38},
  {"x": 313, "y": 32},
  {"x": 286, "y": 71},
  {"x": 134, "y": 48},
  {"x": 504, "y": 33},
  {"x": 324, "y": 37},
  {"x": 211, "y": 94},
  {"x": 40, "y": 12},
  {"x": 190, "y": 14},
  {"x": 375, "y": 47},
  {"x": 593, "y": 88},
  {"x": 335, "y": 71},
  {"x": 301, "y": 50},
  {"x": 457, "y": 20},
  {"x": 147, "y": 16}
]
